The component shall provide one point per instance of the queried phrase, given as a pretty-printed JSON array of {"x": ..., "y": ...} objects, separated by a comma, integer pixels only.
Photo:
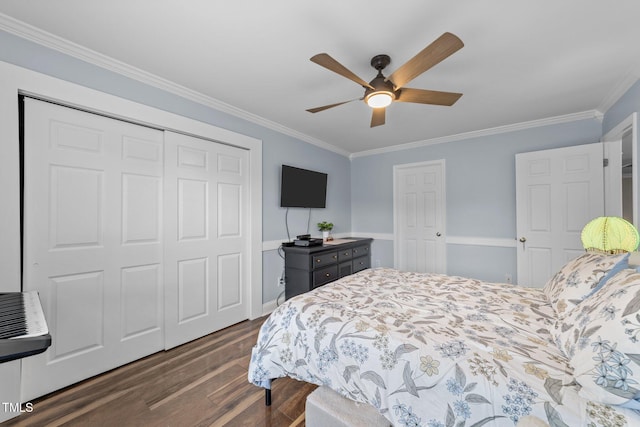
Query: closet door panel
[
  {"x": 92, "y": 242},
  {"x": 207, "y": 239},
  {"x": 141, "y": 301}
]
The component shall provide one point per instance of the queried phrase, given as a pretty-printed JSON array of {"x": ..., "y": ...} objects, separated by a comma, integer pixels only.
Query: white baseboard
[{"x": 268, "y": 307}]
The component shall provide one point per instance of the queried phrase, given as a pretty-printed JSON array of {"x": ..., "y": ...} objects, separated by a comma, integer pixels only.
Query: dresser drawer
[
  {"x": 324, "y": 259},
  {"x": 325, "y": 275},
  {"x": 360, "y": 251},
  {"x": 345, "y": 254},
  {"x": 361, "y": 263}
]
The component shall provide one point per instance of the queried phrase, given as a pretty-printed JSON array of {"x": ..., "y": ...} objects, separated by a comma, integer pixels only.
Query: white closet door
[
  {"x": 207, "y": 241},
  {"x": 92, "y": 242}
]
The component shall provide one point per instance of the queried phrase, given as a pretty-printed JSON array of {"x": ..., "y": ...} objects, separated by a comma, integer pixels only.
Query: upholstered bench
[{"x": 325, "y": 408}]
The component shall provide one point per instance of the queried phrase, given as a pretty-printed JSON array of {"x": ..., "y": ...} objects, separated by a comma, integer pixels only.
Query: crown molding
[
  {"x": 584, "y": 115},
  {"x": 67, "y": 47},
  {"x": 629, "y": 79}
]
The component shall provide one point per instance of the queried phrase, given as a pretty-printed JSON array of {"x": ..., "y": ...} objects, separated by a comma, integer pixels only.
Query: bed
[{"x": 435, "y": 350}]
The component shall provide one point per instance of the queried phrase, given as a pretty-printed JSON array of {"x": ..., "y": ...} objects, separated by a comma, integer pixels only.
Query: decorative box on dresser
[{"x": 307, "y": 268}]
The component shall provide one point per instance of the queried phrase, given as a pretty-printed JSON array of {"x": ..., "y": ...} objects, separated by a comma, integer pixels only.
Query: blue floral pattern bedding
[{"x": 429, "y": 350}]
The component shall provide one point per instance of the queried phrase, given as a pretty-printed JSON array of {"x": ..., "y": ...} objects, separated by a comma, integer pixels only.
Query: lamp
[
  {"x": 610, "y": 234},
  {"x": 380, "y": 92},
  {"x": 379, "y": 99}
]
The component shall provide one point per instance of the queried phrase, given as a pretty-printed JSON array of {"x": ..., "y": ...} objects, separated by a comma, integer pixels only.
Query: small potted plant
[{"x": 326, "y": 228}]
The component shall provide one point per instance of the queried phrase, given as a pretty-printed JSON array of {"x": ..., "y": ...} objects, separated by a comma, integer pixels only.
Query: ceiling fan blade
[
  {"x": 329, "y": 63},
  {"x": 377, "y": 117},
  {"x": 423, "y": 96},
  {"x": 326, "y": 107},
  {"x": 444, "y": 46}
]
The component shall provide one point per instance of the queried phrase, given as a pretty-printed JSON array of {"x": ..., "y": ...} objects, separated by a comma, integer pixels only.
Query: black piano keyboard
[
  {"x": 23, "y": 327},
  {"x": 13, "y": 321}
]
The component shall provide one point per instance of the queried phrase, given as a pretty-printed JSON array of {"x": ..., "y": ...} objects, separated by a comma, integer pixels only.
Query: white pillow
[
  {"x": 580, "y": 278},
  {"x": 601, "y": 337}
]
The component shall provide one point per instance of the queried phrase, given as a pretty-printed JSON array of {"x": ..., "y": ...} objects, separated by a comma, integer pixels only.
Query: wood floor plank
[
  {"x": 201, "y": 383},
  {"x": 192, "y": 384}
]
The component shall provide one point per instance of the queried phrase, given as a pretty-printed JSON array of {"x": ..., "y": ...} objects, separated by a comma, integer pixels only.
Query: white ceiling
[{"x": 522, "y": 61}]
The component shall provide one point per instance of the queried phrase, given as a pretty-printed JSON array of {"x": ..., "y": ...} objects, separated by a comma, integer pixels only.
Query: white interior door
[
  {"x": 557, "y": 192},
  {"x": 419, "y": 217},
  {"x": 92, "y": 242},
  {"x": 207, "y": 241}
]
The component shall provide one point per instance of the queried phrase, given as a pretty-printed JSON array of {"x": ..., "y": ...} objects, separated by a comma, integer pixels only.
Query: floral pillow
[
  {"x": 601, "y": 338},
  {"x": 580, "y": 278}
]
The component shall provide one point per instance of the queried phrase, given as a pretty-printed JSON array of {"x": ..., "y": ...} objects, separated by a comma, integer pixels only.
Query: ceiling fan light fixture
[
  {"x": 382, "y": 91},
  {"x": 379, "y": 99}
]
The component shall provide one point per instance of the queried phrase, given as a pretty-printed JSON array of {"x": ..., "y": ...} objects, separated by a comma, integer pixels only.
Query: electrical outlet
[
  {"x": 281, "y": 282},
  {"x": 508, "y": 278}
]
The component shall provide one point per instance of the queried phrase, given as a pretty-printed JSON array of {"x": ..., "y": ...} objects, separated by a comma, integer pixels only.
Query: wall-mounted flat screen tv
[{"x": 302, "y": 188}]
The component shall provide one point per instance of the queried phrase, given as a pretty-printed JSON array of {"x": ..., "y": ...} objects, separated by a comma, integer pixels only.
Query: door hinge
[{"x": 605, "y": 163}]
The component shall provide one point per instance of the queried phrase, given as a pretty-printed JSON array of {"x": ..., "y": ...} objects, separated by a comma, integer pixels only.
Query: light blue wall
[
  {"x": 480, "y": 192},
  {"x": 277, "y": 148},
  {"x": 294, "y": 153}
]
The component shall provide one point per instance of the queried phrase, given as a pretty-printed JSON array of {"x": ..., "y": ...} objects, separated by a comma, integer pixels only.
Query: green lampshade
[{"x": 610, "y": 234}]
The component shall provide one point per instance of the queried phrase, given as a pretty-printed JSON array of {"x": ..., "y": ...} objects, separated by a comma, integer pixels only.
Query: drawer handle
[
  {"x": 328, "y": 275},
  {"x": 318, "y": 260},
  {"x": 346, "y": 253},
  {"x": 335, "y": 256},
  {"x": 355, "y": 251}
]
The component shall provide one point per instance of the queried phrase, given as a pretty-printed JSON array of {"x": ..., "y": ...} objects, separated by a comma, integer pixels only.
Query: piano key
[{"x": 23, "y": 327}]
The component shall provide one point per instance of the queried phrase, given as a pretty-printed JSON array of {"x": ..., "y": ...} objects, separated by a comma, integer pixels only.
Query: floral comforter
[{"x": 429, "y": 350}]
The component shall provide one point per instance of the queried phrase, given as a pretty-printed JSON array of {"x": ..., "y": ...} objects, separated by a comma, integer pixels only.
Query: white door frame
[
  {"x": 396, "y": 208},
  {"x": 631, "y": 122},
  {"x": 612, "y": 151}
]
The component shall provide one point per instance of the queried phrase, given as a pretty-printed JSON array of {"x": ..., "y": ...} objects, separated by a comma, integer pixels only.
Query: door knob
[
  {"x": 522, "y": 240},
  {"x": 438, "y": 234}
]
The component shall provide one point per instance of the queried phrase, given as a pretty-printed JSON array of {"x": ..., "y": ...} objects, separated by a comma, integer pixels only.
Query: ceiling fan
[{"x": 382, "y": 91}]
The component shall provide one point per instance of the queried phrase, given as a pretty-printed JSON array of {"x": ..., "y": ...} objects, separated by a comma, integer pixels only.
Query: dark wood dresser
[{"x": 307, "y": 268}]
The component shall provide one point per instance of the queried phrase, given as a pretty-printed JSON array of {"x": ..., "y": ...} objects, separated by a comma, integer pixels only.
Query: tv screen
[{"x": 302, "y": 188}]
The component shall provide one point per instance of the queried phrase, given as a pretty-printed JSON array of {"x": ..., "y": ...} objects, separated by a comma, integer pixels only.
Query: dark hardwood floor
[{"x": 201, "y": 383}]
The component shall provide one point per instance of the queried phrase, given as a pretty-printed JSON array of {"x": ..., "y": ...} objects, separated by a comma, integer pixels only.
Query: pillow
[
  {"x": 601, "y": 338},
  {"x": 580, "y": 278}
]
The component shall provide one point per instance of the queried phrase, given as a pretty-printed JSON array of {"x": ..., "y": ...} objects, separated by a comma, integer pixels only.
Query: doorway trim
[{"x": 631, "y": 122}]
